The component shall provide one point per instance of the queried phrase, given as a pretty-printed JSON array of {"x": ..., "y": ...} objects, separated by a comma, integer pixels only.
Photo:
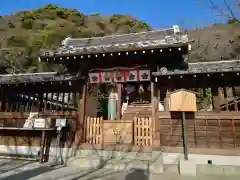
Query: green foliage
[
  {"x": 202, "y": 98},
  {"x": 232, "y": 21},
  {"x": 16, "y": 41},
  {"x": 27, "y": 23},
  {"x": 29, "y": 31}
]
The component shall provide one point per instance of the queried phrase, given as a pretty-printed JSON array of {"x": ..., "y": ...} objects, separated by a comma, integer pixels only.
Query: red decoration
[{"x": 120, "y": 76}]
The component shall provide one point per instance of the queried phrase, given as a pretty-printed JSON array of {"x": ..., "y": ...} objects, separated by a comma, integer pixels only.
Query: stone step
[
  {"x": 106, "y": 155},
  {"x": 116, "y": 164}
]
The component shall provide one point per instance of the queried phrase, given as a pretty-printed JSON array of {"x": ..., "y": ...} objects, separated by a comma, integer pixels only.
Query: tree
[{"x": 228, "y": 11}]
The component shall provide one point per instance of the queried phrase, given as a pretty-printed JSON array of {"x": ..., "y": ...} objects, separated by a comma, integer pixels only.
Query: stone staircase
[{"x": 143, "y": 110}]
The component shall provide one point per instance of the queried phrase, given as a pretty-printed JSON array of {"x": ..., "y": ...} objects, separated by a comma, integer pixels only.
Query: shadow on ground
[
  {"x": 137, "y": 174},
  {"x": 12, "y": 164},
  {"x": 29, "y": 173}
]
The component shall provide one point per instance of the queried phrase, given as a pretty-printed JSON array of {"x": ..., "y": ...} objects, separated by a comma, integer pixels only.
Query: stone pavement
[{"x": 26, "y": 170}]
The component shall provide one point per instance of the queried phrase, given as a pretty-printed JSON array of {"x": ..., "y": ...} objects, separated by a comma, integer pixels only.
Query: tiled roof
[
  {"x": 201, "y": 67},
  {"x": 123, "y": 42},
  {"x": 35, "y": 78}
]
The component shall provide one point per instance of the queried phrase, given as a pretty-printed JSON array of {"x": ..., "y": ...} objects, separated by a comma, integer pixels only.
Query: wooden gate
[
  {"x": 142, "y": 131},
  {"x": 99, "y": 131},
  {"x": 94, "y": 130}
]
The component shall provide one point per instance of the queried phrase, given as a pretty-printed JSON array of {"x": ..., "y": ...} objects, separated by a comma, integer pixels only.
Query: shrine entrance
[
  {"x": 137, "y": 92},
  {"x": 118, "y": 89}
]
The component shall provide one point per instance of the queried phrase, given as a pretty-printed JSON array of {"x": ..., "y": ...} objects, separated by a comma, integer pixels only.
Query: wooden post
[
  {"x": 40, "y": 102},
  {"x": 81, "y": 108},
  {"x": 153, "y": 99},
  {"x": 215, "y": 98},
  {"x": 45, "y": 103},
  {"x": 51, "y": 102},
  {"x": 1, "y": 100},
  {"x": 62, "y": 103},
  {"x": 185, "y": 136},
  {"x": 119, "y": 101},
  {"x": 42, "y": 146},
  {"x": 234, "y": 91}
]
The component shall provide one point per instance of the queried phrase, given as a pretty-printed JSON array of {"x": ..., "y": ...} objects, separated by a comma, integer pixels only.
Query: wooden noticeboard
[{"x": 182, "y": 101}]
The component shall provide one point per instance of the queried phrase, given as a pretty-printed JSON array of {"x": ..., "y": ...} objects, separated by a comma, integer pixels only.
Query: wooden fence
[
  {"x": 205, "y": 130},
  {"x": 94, "y": 130},
  {"x": 137, "y": 131},
  {"x": 143, "y": 131}
]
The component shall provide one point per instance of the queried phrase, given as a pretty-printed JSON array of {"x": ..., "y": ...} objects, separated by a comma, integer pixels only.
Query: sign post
[
  {"x": 182, "y": 101},
  {"x": 60, "y": 123},
  {"x": 185, "y": 136}
]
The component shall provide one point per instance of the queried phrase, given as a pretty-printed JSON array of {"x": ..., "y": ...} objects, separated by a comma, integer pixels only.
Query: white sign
[
  {"x": 39, "y": 123},
  {"x": 61, "y": 122}
]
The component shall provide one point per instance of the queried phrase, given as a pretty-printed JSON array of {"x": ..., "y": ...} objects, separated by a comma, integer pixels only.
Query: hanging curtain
[{"x": 112, "y": 106}]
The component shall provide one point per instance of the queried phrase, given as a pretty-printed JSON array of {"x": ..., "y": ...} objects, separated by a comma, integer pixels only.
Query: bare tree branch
[{"x": 230, "y": 14}]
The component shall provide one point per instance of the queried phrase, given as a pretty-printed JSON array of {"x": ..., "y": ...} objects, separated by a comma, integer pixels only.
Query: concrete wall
[{"x": 168, "y": 158}]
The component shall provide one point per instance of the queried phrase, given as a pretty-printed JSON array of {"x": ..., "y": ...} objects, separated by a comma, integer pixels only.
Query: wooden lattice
[
  {"x": 142, "y": 131},
  {"x": 94, "y": 130}
]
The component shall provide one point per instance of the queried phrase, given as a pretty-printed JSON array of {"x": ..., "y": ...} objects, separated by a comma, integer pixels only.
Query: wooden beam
[{"x": 119, "y": 101}]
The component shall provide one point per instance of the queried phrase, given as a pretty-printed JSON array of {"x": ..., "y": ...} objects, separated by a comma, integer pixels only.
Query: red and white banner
[
  {"x": 144, "y": 75},
  {"x": 120, "y": 76},
  {"x": 132, "y": 76},
  {"x": 107, "y": 77},
  {"x": 95, "y": 78}
]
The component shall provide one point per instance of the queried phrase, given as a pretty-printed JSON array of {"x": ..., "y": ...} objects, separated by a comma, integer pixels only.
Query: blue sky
[{"x": 158, "y": 13}]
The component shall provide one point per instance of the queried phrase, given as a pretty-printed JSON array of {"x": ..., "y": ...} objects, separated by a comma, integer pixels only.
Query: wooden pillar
[
  {"x": 45, "y": 102},
  {"x": 215, "y": 98},
  {"x": 81, "y": 109},
  {"x": 51, "y": 102},
  {"x": 42, "y": 147},
  {"x": 234, "y": 92},
  {"x": 1, "y": 98},
  {"x": 63, "y": 103},
  {"x": 153, "y": 99},
  {"x": 57, "y": 100},
  {"x": 225, "y": 95},
  {"x": 119, "y": 101},
  {"x": 163, "y": 95},
  {"x": 235, "y": 101}
]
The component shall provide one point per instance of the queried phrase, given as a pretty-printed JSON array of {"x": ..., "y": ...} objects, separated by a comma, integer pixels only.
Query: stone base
[
  {"x": 119, "y": 161},
  {"x": 187, "y": 168}
]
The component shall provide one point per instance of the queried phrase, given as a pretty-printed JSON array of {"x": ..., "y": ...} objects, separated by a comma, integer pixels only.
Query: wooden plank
[{"x": 234, "y": 132}]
